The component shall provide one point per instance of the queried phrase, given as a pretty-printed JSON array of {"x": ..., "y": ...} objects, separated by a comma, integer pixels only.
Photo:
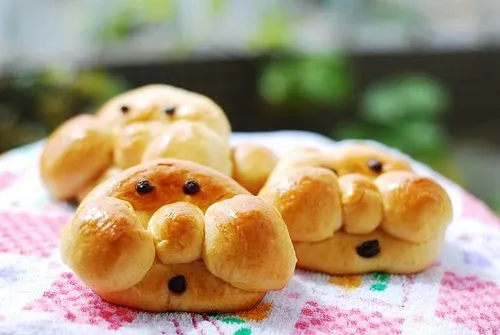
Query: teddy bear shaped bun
[
  {"x": 174, "y": 235},
  {"x": 357, "y": 209},
  {"x": 140, "y": 125}
]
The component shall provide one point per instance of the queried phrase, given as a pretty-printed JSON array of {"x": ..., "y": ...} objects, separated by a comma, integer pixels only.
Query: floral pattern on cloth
[{"x": 459, "y": 294}]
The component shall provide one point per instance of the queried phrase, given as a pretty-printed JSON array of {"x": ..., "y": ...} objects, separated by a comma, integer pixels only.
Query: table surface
[{"x": 460, "y": 294}]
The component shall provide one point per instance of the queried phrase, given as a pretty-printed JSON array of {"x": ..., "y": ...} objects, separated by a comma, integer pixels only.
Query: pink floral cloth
[{"x": 460, "y": 294}]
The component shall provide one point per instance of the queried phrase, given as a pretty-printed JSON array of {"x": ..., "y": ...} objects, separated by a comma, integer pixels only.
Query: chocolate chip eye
[
  {"x": 375, "y": 165},
  {"x": 177, "y": 284},
  {"x": 124, "y": 109},
  {"x": 170, "y": 111},
  {"x": 368, "y": 249},
  {"x": 144, "y": 187},
  {"x": 191, "y": 187}
]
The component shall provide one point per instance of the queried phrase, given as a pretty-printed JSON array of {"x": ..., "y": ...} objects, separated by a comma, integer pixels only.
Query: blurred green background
[{"x": 416, "y": 75}]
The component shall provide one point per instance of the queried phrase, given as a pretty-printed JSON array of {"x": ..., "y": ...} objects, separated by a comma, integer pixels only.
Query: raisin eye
[
  {"x": 177, "y": 284},
  {"x": 375, "y": 165},
  {"x": 170, "y": 111},
  {"x": 191, "y": 187},
  {"x": 144, "y": 187},
  {"x": 368, "y": 249},
  {"x": 124, "y": 109}
]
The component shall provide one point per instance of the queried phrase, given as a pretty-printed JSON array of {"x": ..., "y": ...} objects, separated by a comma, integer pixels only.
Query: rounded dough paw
[
  {"x": 247, "y": 244},
  {"x": 178, "y": 231},
  {"x": 106, "y": 246},
  {"x": 194, "y": 142},
  {"x": 416, "y": 208},
  {"x": 75, "y": 155},
  {"x": 131, "y": 142},
  {"x": 308, "y": 199}
]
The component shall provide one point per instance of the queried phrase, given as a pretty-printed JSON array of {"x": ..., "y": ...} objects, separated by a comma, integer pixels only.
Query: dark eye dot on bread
[
  {"x": 177, "y": 284},
  {"x": 368, "y": 249},
  {"x": 144, "y": 187},
  {"x": 170, "y": 110},
  {"x": 125, "y": 109},
  {"x": 375, "y": 165},
  {"x": 191, "y": 187}
]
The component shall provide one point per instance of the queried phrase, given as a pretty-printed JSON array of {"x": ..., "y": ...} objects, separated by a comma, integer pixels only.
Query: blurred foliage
[
  {"x": 34, "y": 104},
  {"x": 319, "y": 81},
  {"x": 130, "y": 18},
  {"x": 273, "y": 32},
  {"x": 402, "y": 111}
]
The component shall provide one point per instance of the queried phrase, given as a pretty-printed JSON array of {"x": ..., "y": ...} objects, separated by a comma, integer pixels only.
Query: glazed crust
[
  {"x": 376, "y": 198},
  {"x": 148, "y": 225},
  {"x": 141, "y": 125}
]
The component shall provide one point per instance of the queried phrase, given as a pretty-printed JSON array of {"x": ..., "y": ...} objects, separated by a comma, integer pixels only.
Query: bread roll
[
  {"x": 174, "y": 235},
  {"x": 385, "y": 218}
]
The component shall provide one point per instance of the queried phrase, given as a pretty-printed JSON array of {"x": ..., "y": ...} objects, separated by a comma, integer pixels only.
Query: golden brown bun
[
  {"x": 142, "y": 239},
  {"x": 252, "y": 165},
  {"x": 247, "y": 225},
  {"x": 308, "y": 199},
  {"x": 193, "y": 142},
  {"x": 401, "y": 216},
  {"x": 75, "y": 154},
  {"x": 143, "y": 124}
]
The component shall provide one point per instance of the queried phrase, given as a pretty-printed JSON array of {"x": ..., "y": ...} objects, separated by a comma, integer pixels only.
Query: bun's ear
[
  {"x": 416, "y": 208},
  {"x": 247, "y": 244},
  {"x": 75, "y": 155}
]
